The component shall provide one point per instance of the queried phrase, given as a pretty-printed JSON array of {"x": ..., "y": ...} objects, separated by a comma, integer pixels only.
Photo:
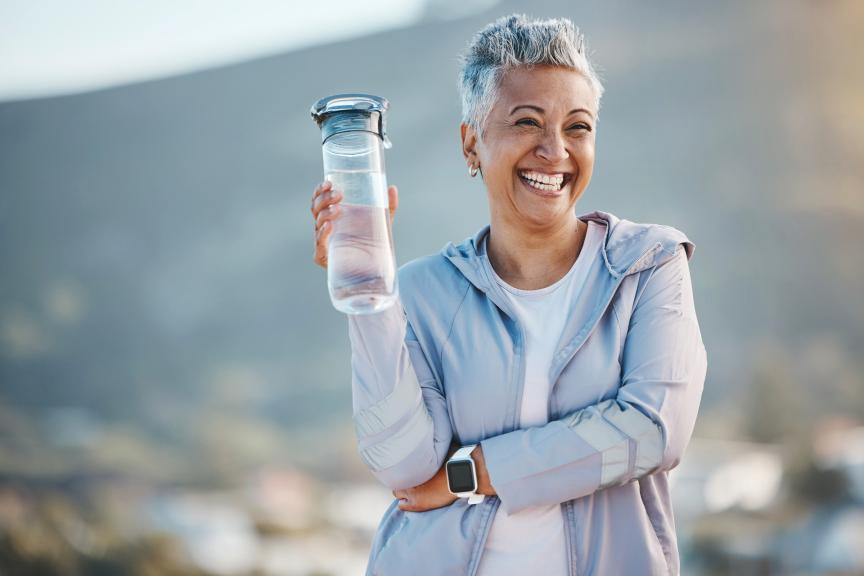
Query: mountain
[{"x": 156, "y": 241}]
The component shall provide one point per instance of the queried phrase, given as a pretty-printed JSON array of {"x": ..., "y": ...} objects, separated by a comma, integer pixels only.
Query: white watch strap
[{"x": 463, "y": 452}]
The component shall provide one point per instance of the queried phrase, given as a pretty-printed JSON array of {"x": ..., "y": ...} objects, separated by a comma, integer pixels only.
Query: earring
[{"x": 472, "y": 170}]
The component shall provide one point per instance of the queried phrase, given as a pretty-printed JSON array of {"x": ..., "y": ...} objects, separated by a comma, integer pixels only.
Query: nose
[{"x": 552, "y": 148}]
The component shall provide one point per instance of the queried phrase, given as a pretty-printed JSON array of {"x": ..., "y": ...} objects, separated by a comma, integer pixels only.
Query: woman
[{"x": 566, "y": 348}]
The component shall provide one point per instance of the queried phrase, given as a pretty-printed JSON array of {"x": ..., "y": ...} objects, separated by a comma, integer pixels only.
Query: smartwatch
[{"x": 462, "y": 475}]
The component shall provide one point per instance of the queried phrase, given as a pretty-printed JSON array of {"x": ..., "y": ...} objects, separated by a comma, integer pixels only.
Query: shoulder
[
  {"x": 434, "y": 270},
  {"x": 431, "y": 284},
  {"x": 635, "y": 246}
]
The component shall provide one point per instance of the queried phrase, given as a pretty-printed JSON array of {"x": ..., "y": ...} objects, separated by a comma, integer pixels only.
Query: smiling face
[{"x": 536, "y": 151}]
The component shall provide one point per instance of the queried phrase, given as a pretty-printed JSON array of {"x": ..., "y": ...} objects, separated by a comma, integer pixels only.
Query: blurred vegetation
[{"x": 49, "y": 533}]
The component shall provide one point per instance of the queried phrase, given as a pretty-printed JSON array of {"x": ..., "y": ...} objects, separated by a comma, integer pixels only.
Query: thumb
[{"x": 393, "y": 198}]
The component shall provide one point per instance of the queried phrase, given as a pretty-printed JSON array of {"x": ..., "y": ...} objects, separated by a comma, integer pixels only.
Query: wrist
[{"x": 484, "y": 485}]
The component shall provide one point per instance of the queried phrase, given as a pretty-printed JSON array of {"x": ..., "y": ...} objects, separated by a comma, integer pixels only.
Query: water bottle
[{"x": 361, "y": 265}]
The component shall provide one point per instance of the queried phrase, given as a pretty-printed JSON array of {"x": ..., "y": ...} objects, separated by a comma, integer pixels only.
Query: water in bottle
[{"x": 361, "y": 272}]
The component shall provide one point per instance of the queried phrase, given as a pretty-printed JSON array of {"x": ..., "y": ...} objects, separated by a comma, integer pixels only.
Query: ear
[{"x": 469, "y": 141}]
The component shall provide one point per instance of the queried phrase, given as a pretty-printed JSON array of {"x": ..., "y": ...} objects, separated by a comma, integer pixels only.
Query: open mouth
[{"x": 545, "y": 182}]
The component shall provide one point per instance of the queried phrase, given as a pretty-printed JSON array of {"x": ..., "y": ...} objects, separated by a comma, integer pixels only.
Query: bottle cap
[{"x": 351, "y": 113}]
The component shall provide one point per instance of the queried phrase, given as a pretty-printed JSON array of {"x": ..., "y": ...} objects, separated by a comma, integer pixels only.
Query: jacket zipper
[
  {"x": 500, "y": 301},
  {"x": 519, "y": 371}
]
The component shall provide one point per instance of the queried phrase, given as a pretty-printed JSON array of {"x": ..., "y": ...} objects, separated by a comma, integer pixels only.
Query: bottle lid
[{"x": 351, "y": 113}]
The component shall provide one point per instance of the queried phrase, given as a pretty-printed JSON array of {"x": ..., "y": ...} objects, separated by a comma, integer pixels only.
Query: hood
[{"x": 628, "y": 247}]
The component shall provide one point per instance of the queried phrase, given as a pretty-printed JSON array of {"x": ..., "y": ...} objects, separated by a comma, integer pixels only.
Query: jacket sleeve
[
  {"x": 644, "y": 429},
  {"x": 400, "y": 412}
]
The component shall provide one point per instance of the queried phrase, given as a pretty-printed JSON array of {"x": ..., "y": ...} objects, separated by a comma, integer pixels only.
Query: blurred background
[{"x": 174, "y": 383}]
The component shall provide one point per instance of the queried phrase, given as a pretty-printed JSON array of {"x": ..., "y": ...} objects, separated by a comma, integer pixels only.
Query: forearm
[
  {"x": 399, "y": 413},
  {"x": 591, "y": 449},
  {"x": 484, "y": 483},
  {"x": 379, "y": 358}
]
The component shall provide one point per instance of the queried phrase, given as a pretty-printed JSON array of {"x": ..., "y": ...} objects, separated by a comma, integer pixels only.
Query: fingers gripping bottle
[{"x": 361, "y": 265}]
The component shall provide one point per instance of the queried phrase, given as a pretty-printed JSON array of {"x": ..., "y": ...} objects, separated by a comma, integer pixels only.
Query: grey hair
[{"x": 514, "y": 41}]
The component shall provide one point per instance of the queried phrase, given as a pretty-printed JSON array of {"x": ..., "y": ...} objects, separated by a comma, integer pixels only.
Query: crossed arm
[
  {"x": 404, "y": 429},
  {"x": 434, "y": 492}
]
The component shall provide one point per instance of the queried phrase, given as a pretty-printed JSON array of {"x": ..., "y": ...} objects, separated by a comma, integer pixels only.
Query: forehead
[{"x": 549, "y": 87}]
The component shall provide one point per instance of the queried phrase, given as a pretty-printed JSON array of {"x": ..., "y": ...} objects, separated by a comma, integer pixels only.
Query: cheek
[
  {"x": 586, "y": 157},
  {"x": 500, "y": 164},
  {"x": 585, "y": 160}
]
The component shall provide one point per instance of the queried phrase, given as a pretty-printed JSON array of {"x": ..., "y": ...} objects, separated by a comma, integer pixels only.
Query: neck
[{"x": 530, "y": 259}]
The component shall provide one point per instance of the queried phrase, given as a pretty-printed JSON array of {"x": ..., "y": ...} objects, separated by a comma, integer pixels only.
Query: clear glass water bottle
[{"x": 361, "y": 265}]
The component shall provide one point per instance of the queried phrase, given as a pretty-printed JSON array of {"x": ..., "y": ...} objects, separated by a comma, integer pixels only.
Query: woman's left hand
[
  {"x": 433, "y": 494},
  {"x": 430, "y": 495}
]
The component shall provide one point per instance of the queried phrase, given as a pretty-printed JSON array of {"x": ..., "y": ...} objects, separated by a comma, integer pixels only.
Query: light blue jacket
[{"x": 628, "y": 378}]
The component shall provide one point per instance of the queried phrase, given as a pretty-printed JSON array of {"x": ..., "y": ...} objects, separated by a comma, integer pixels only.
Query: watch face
[{"x": 460, "y": 476}]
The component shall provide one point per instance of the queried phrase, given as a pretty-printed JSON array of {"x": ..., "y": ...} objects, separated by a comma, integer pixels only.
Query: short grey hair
[{"x": 514, "y": 41}]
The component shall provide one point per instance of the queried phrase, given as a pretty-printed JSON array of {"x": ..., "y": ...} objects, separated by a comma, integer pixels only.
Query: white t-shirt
[{"x": 531, "y": 541}]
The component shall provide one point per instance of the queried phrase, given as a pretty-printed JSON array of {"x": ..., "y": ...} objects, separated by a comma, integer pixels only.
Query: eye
[
  {"x": 527, "y": 122},
  {"x": 581, "y": 126}
]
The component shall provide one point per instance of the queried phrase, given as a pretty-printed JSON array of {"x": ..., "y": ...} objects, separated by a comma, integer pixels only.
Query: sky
[{"x": 53, "y": 47}]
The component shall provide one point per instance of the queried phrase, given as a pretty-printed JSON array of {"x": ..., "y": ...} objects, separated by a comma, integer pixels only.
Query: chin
[{"x": 535, "y": 219}]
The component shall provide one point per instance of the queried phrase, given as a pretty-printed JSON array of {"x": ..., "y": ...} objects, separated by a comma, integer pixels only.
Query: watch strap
[
  {"x": 476, "y": 498},
  {"x": 463, "y": 452}
]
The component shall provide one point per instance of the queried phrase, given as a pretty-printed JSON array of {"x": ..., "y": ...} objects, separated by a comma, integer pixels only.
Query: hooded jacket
[{"x": 447, "y": 365}]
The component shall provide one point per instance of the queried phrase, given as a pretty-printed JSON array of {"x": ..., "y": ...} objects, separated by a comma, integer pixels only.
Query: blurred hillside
[{"x": 160, "y": 314}]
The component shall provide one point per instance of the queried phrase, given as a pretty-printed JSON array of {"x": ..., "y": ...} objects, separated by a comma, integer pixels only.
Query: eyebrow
[{"x": 541, "y": 111}]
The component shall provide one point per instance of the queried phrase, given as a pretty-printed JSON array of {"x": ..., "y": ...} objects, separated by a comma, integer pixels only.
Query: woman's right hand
[{"x": 326, "y": 209}]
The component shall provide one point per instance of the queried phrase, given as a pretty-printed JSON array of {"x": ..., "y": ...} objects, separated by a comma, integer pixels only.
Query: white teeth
[
  {"x": 540, "y": 186},
  {"x": 544, "y": 178},
  {"x": 543, "y": 181}
]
